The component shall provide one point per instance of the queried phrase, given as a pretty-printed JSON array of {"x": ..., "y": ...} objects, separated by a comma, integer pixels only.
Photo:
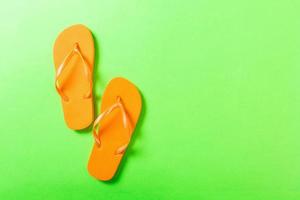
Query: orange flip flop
[
  {"x": 120, "y": 110},
  {"x": 74, "y": 62}
]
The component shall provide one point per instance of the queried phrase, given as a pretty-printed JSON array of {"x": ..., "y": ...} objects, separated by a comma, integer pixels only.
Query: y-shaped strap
[
  {"x": 62, "y": 66},
  {"x": 125, "y": 119}
]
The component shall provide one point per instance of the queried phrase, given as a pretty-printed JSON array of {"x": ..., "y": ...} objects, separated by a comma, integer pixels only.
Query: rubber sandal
[
  {"x": 74, "y": 62},
  {"x": 120, "y": 110}
]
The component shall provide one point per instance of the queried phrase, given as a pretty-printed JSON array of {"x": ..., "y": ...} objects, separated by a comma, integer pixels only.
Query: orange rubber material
[
  {"x": 104, "y": 160},
  {"x": 73, "y": 81}
]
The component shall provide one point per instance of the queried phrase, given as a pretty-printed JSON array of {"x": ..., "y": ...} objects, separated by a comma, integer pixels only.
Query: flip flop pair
[{"x": 120, "y": 107}]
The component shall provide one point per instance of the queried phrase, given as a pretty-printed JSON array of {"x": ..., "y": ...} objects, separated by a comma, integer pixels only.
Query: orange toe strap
[
  {"x": 62, "y": 67},
  {"x": 125, "y": 119}
]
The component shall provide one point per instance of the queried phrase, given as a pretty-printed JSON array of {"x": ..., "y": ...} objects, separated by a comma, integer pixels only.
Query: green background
[{"x": 221, "y": 90}]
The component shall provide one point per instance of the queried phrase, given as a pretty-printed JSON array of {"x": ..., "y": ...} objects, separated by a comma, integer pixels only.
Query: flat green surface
[{"x": 221, "y": 88}]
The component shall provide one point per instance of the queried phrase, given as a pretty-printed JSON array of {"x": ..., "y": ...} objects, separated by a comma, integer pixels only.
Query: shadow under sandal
[
  {"x": 120, "y": 110},
  {"x": 74, "y": 62}
]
